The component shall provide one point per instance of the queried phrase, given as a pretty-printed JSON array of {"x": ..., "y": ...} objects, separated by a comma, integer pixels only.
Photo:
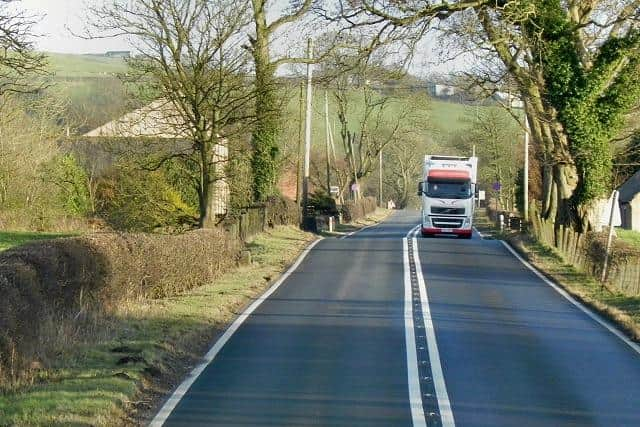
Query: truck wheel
[
  {"x": 425, "y": 234},
  {"x": 466, "y": 236}
]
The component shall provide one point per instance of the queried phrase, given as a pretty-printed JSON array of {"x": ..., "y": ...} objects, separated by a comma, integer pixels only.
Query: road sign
[
  {"x": 334, "y": 189},
  {"x": 481, "y": 195},
  {"x": 355, "y": 187},
  {"x": 497, "y": 186},
  {"x": 605, "y": 212}
]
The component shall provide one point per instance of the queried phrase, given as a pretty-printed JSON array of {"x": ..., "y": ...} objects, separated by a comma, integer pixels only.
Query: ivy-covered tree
[{"x": 574, "y": 63}]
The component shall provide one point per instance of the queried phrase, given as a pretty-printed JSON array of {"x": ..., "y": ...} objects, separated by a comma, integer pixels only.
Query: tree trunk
[{"x": 267, "y": 129}]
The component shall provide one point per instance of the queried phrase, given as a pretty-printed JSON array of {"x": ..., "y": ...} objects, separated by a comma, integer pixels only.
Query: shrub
[
  {"x": 323, "y": 203},
  {"x": 56, "y": 281},
  {"x": 281, "y": 210},
  {"x": 73, "y": 181},
  {"x": 134, "y": 200},
  {"x": 353, "y": 210}
]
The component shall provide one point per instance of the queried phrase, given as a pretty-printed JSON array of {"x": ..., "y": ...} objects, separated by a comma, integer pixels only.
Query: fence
[
  {"x": 255, "y": 219},
  {"x": 586, "y": 252}
]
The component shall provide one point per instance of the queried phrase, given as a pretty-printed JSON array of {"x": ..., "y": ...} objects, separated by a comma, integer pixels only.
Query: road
[{"x": 382, "y": 330}]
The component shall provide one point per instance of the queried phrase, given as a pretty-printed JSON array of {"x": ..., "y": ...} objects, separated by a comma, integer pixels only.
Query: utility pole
[
  {"x": 327, "y": 141},
  {"x": 380, "y": 177},
  {"x": 298, "y": 153},
  {"x": 307, "y": 134},
  {"x": 526, "y": 169}
]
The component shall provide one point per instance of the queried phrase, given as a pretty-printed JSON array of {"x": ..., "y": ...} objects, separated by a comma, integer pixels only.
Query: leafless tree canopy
[
  {"x": 19, "y": 62},
  {"x": 190, "y": 64}
]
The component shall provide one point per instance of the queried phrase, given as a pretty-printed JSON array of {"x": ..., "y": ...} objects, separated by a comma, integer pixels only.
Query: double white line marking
[{"x": 412, "y": 262}]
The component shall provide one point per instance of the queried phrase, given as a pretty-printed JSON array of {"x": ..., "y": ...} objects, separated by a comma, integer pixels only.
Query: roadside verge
[
  {"x": 122, "y": 374},
  {"x": 347, "y": 229},
  {"x": 623, "y": 311}
]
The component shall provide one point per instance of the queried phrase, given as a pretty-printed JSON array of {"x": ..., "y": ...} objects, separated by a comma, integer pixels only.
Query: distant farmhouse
[
  {"x": 118, "y": 54},
  {"x": 630, "y": 202},
  {"x": 159, "y": 121}
]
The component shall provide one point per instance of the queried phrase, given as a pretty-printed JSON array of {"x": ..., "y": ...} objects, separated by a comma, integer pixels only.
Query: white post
[
  {"x": 307, "y": 131},
  {"x": 526, "y": 169},
  {"x": 614, "y": 205},
  {"x": 330, "y": 224},
  {"x": 380, "y": 177}
]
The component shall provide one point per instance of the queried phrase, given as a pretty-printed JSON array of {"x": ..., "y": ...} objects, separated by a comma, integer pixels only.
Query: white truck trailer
[{"x": 447, "y": 191}]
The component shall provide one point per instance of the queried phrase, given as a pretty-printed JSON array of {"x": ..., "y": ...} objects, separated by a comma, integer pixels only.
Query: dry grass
[
  {"x": 136, "y": 354},
  {"x": 63, "y": 285}
]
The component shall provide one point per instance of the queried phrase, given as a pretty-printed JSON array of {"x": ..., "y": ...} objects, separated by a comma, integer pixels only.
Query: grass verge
[
  {"x": 373, "y": 218},
  {"x": 9, "y": 239},
  {"x": 632, "y": 237},
  {"x": 136, "y": 356}
]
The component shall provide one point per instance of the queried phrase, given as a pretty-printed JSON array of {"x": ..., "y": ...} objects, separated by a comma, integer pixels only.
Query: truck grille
[
  {"x": 440, "y": 222},
  {"x": 447, "y": 211}
]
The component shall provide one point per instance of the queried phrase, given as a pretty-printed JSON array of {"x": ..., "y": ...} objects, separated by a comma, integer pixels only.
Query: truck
[{"x": 447, "y": 195}]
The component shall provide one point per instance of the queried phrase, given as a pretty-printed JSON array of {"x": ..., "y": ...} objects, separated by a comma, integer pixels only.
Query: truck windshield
[{"x": 448, "y": 189}]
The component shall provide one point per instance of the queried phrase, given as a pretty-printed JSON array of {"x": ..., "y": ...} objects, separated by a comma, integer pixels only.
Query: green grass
[
  {"x": 629, "y": 236},
  {"x": 9, "y": 239},
  {"x": 90, "y": 383},
  {"x": 70, "y": 65}
]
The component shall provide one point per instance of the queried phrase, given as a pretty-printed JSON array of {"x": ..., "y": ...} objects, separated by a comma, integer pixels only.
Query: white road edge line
[
  {"x": 479, "y": 233},
  {"x": 413, "y": 374},
  {"x": 359, "y": 230},
  {"x": 446, "y": 414},
  {"x": 182, "y": 389},
  {"x": 603, "y": 322}
]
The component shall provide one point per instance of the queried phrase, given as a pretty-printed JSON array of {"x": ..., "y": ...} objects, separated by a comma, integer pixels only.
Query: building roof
[
  {"x": 630, "y": 188},
  {"x": 159, "y": 119}
]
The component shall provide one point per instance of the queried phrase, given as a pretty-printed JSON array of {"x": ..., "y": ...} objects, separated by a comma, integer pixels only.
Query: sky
[{"x": 59, "y": 18}]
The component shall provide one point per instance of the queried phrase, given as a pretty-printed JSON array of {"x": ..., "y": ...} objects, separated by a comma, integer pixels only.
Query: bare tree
[
  {"x": 369, "y": 119},
  {"x": 190, "y": 62},
  {"x": 403, "y": 174},
  {"x": 20, "y": 64},
  {"x": 575, "y": 64}
]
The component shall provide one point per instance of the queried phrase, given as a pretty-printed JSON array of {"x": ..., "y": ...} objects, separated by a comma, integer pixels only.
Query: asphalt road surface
[{"x": 383, "y": 330}]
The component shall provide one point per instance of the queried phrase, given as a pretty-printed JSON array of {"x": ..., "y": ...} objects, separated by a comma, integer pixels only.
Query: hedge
[
  {"x": 353, "y": 210},
  {"x": 51, "y": 282}
]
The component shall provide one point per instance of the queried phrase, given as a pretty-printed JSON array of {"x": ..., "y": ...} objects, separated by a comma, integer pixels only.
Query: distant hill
[{"x": 72, "y": 65}]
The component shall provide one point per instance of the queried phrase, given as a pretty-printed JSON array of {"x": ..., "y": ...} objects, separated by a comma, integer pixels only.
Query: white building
[{"x": 160, "y": 120}]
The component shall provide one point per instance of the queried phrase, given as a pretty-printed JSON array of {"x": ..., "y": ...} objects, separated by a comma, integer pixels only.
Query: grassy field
[
  {"x": 629, "y": 236},
  {"x": 136, "y": 355},
  {"x": 9, "y": 239},
  {"x": 69, "y": 65}
]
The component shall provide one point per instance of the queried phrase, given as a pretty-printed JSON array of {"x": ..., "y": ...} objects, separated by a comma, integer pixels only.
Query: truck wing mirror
[{"x": 420, "y": 189}]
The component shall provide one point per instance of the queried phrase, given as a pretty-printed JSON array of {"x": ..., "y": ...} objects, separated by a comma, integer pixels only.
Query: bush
[
  {"x": 134, "y": 200},
  {"x": 56, "y": 282},
  {"x": 353, "y": 210},
  {"x": 323, "y": 203},
  {"x": 281, "y": 210},
  {"x": 73, "y": 181}
]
